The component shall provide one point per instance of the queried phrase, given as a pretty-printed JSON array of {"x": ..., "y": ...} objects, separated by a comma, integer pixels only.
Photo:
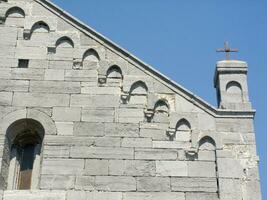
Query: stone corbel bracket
[
  {"x": 77, "y": 64},
  {"x": 124, "y": 97},
  {"x": 149, "y": 114},
  {"x": 171, "y": 133},
  {"x": 191, "y": 153},
  {"x": 26, "y": 34},
  {"x": 102, "y": 79}
]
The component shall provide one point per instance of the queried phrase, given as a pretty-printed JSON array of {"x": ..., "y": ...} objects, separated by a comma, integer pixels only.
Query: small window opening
[{"x": 23, "y": 63}]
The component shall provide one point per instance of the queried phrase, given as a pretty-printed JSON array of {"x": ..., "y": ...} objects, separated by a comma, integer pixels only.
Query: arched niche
[
  {"x": 40, "y": 33},
  {"x": 161, "y": 111},
  {"x": 207, "y": 143},
  {"x": 138, "y": 93},
  {"x": 183, "y": 131},
  {"x": 22, "y": 156},
  {"x": 90, "y": 59},
  {"x": 64, "y": 48},
  {"x": 15, "y": 16},
  {"x": 234, "y": 91}
]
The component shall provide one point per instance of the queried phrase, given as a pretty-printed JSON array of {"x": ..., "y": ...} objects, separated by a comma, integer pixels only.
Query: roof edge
[{"x": 189, "y": 95}]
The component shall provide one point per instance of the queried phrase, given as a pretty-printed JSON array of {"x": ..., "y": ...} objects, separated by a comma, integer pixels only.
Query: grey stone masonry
[{"x": 105, "y": 126}]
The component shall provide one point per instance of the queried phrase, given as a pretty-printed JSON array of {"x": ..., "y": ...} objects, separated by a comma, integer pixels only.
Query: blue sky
[{"x": 179, "y": 39}]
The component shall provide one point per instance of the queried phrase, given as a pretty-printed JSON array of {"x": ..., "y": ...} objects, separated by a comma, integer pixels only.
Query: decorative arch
[
  {"x": 64, "y": 42},
  {"x": 183, "y": 131},
  {"x": 114, "y": 72},
  {"x": 40, "y": 27},
  {"x": 90, "y": 59},
  {"x": 138, "y": 88},
  {"x": 161, "y": 111},
  {"x": 15, "y": 12},
  {"x": 234, "y": 89},
  {"x": 207, "y": 143}
]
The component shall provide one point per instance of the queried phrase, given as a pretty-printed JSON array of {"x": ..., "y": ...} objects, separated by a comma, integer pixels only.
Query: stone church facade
[{"x": 83, "y": 119}]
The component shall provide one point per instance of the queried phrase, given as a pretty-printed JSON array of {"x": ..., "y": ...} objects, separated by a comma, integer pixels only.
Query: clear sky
[{"x": 179, "y": 39}]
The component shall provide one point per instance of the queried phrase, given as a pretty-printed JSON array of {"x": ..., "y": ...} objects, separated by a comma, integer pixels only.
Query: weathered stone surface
[
  {"x": 85, "y": 183},
  {"x": 136, "y": 142},
  {"x": 230, "y": 168},
  {"x": 64, "y": 128},
  {"x": 28, "y": 74},
  {"x": 88, "y": 129},
  {"x": 154, "y": 196},
  {"x": 153, "y": 184},
  {"x": 115, "y": 183},
  {"x": 34, "y": 195},
  {"x": 82, "y": 195},
  {"x": 66, "y": 114},
  {"x": 96, "y": 167},
  {"x": 139, "y": 168},
  {"x": 14, "y": 85},
  {"x": 40, "y": 99},
  {"x": 98, "y": 115},
  {"x": 57, "y": 182},
  {"x": 155, "y": 154},
  {"x": 171, "y": 168},
  {"x": 101, "y": 152},
  {"x": 194, "y": 184},
  {"x": 56, "y": 151},
  {"x": 201, "y": 169},
  {"x": 55, "y": 87},
  {"x": 201, "y": 196},
  {"x": 121, "y": 130},
  {"x": 54, "y": 75}
]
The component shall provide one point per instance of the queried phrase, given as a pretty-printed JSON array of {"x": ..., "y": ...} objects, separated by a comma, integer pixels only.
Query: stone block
[
  {"x": 137, "y": 142},
  {"x": 230, "y": 189},
  {"x": 104, "y": 101},
  {"x": 187, "y": 184},
  {"x": 68, "y": 140},
  {"x": 115, "y": 183},
  {"x": 101, "y": 152},
  {"x": 5, "y": 98},
  {"x": 171, "y": 168},
  {"x": 66, "y": 114},
  {"x": 201, "y": 196},
  {"x": 155, "y": 154},
  {"x": 108, "y": 142},
  {"x": 204, "y": 155},
  {"x": 155, "y": 134},
  {"x": 171, "y": 145},
  {"x": 230, "y": 168},
  {"x": 81, "y": 75},
  {"x": 88, "y": 129},
  {"x": 34, "y": 195},
  {"x": 54, "y": 75},
  {"x": 62, "y": 166},
  {"x": 56, "y": 151},
  {"x": 8, "y": 36},
  {"x": 64, "y": 128},
  {"x": 84, "y": 183},
  {"x": 61, "y": 64},
  {"x": 89, "y": 89},
  {"x": 130, "y": 115},
  {"x": 5, "y": 74},
  {"x": 121, "y": 130},
  {"x": 139, "y": 168},
  {"x": 40, "y": 99},
  {"x": 153, "y": 184},
  {"x": 96, "y": 167},
  {"x": 58, "y": 87},
  {"x": 27, "y": 74},
  {"x": 82, "y": 195},
  {"x": 14, "y": 85},
  {"x": 116, "y": 167},
  {"x": 201, "y": 169},
  {"x": 153, "y": 196},
  {"x": 57, "y": 182},
  {"x": 98, "y": 115}
]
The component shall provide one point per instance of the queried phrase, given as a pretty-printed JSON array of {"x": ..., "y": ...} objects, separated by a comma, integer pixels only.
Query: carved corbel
[
  {"x": 77, "y": 64},
  {"x": 102, "y": 79},
  {"x": 124, "y": 97},
  {"x": 171, "y": 133},
  {"x": 191, "y": 153},
  {"x": 26, "y": 34},
  {"x": 149, "y": 114}
]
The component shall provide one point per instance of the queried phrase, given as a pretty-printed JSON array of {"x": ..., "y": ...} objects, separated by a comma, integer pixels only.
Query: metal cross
[{"x": 227, "y": 50}]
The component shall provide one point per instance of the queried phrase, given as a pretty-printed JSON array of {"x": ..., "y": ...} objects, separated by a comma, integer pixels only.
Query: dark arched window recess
[
  {"x": 90, "y": 59},
  {"x": 25, "y": 139},
  {"x": 114, "y": 72},
  {"x": 15, "y": 12},
  {"x": 65, "y": 42},
  {"x": 234, "y": 91},
  {"x": 138, "y": 88},
  {"x": 207, "y": 143},
  {"x": 161, "y": 107},
  {"x": 40, "y": 27}
]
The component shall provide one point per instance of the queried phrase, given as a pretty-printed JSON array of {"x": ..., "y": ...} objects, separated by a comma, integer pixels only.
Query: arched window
[
  {"x": 183, "y": 131},
  {"x": 138, "y": 93},
  {"x": 24, "y": 138},
  {"x": 40, "y": 33},
  {"x": 64, "y": 49},
  {"x": 234, "y": 90},
  {"x": 114, "y": 72},
  {"x": 15, "y": 17},
  {"x": 40, "y": 27},
  {"x": 90, "y": 59},
  {"x": 161, "y": 111}
]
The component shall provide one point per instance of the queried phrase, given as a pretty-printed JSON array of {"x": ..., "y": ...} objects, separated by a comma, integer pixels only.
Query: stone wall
[{"x": 114, "y": 129}]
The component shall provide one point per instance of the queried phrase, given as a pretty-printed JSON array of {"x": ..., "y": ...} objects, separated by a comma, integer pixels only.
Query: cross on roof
[{"x": 227, "y": 50}]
